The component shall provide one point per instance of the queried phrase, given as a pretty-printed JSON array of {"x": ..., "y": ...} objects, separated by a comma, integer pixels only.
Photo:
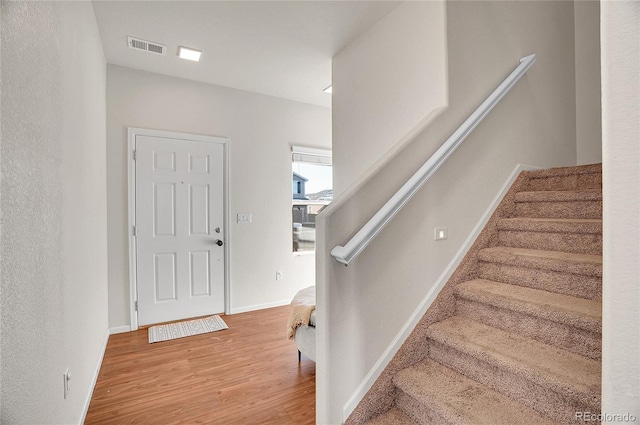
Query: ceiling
[{"x": 277, "y": 48}]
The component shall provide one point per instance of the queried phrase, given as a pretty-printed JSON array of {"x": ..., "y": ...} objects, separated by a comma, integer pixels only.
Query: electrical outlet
[
  {"x": 67, "y": 377},
  {"x": 278, "y": 275},
  {"x": 441, "y": 233}
]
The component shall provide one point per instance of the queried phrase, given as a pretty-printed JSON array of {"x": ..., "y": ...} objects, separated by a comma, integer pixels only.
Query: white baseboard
[
  {"x": 244, "y": 309},
  {"x": 422, "y": 308},
  {"x": 248, "y": 308},
  {"x": 119, "y": 329},
  {"x": 94, "y": 380}
]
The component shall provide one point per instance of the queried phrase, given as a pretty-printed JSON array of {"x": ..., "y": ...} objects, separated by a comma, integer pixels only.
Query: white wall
[
  {"x": 620, "y": 32},
  {"x": 588, "y": 105},
  {"x": 362, "y": 308},
  {"x": 385, "y": 83},
  {"x": 54, "y": 241},
  {"x": 0, "y": 216},
  {"x": 261, "y": 130}
]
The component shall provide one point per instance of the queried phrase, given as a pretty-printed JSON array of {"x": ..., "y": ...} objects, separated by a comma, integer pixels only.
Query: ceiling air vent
[{"x": 147, "y": 46}]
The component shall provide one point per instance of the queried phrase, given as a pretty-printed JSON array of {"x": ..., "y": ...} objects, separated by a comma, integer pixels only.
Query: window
[{"x": 312, "y": 191}]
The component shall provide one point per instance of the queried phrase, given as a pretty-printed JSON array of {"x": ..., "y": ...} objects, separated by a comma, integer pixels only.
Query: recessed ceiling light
[
  {"x": 328, "y": 90},
  {"x": 189, "y": 54}
]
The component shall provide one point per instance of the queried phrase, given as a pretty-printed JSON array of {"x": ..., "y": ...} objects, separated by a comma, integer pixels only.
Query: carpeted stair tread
[
  {"x": 559, "y": 196},
  {"x": 566, "y": 171},
  {"x": 566, "y": 178},
  {"x": 580, "y": 236},
  {"x": 584, "y": 264},
  {"x": 563, "y": 372},
  {"x": 551, "y": 225},
  {"x": 457, "y": 399},
  {"x": 578, "y": 275},
  {"x": 577, "y": 312},
  {"x": 391, "y": 417}
]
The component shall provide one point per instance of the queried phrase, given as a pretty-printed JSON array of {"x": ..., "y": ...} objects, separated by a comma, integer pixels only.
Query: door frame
[{"x": 132, "y": 132}]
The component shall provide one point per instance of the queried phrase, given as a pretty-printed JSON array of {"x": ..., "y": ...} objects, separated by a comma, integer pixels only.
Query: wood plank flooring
[{"x": 247, "y": 374}]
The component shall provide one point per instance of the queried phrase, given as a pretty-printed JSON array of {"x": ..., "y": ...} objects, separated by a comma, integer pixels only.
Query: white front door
[{"x": 179, "y": 218}]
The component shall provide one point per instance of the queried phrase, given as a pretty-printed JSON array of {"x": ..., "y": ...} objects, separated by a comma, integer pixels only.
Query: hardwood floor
[{"x": 247, "y": 374}]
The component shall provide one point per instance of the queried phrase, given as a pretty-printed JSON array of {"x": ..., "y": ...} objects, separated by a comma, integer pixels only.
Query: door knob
[{"x": 219, "y": 242}]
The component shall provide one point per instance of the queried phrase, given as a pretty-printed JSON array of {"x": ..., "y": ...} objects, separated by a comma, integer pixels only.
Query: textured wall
[
  {"x": 261, "y": 130},
  {"x": 620, "y": 31},
  {"x": 361, "y": 308},
  {"x": 0, "y": 214},
  {"x": 53, "y": 248}
]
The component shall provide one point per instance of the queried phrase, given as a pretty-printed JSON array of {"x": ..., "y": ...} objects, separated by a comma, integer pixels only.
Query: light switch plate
[{"x": 244, "y": 218}]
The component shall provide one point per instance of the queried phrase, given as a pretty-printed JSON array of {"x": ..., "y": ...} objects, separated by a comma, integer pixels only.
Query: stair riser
[
  {"x": 542, "y": 399},
  {"x": 581, "y": 264},
  {"x": 418, "y": 411},
  {"x": 589, "y": 287},
  {"x": 577, "y": 243},
  {"x": 570, "y": 338},
  {"x": 581, "y": 209},
  {"x": 570, "y": 182}
]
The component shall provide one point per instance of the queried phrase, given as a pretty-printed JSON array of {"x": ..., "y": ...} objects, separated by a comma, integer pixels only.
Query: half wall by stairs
[{"x": 515, "y": 334}]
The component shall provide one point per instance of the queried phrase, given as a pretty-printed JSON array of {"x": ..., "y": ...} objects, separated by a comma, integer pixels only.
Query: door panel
[
  {"x": 164, "y": 277},
  {"x": 179, "y": 217},
  {"x": 164, "y": 208},
  {"x": 200, "y": 273},
  {"x": 199, "y": 205}
]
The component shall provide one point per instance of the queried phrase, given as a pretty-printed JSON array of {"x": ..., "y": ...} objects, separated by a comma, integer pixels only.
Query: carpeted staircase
[{"x": 523, "y": 345}]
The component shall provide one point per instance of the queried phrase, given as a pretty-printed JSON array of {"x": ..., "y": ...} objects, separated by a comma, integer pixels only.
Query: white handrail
[{"x": 345, "y": 254}]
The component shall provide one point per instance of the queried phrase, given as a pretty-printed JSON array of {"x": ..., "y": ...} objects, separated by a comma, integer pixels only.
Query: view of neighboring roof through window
[{"x": 312, "y": 191}]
